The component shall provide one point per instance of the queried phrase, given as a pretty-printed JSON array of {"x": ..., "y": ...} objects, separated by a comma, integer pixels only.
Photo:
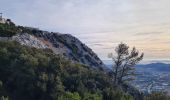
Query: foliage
[
  {"x": 124, "y": 63},
  {"x": 89, "y": 96},
  {"x": 8, "y": 30},
  {"x": 70, "y": 96},
  {"x": 34, "y": 74}
]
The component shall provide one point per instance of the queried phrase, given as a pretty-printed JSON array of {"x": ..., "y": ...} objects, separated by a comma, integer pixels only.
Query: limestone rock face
[
  {"x": 63, "y": 44},
  {"x": 29, "y": 40}
]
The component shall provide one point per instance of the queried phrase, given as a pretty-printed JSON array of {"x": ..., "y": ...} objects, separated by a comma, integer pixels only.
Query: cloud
[{"x": 148, "y": 33}]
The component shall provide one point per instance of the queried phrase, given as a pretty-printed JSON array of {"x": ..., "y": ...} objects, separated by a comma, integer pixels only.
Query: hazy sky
[{"x": 101, "y": 24}]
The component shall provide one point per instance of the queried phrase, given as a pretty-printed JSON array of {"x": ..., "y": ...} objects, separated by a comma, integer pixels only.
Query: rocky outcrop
[
  {"x": 64, "y": 44},
  {"x": 29, "y": 40}
]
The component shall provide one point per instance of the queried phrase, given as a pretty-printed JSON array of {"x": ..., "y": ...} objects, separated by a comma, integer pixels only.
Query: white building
[{"x": 2, "y": 20}]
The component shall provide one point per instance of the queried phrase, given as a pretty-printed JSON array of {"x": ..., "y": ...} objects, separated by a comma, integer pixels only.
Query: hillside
[
  {"x": 63, "y": 44},
  {"x": 40, "y": 65},
  {"x": 36, "y": 74}
]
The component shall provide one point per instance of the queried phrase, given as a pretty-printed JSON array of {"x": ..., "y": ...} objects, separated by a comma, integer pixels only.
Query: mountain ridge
[
  {"x": 155, "y": 66},
  {"x": 63, "y": 44}
]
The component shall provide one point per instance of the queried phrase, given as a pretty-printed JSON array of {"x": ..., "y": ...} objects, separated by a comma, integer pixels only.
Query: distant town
[
  {"x": 152, "y": 77},
  {"x": 150, "y": 80}
]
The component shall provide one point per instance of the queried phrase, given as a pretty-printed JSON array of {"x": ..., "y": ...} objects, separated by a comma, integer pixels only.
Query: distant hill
[{"x": 156, "y": 66}]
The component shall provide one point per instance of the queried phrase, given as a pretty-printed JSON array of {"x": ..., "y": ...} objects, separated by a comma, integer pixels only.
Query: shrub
[{"x": 70, "y": 96}]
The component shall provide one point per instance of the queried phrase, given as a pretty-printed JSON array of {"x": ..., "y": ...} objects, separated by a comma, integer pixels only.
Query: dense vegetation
[
  {"x": 32, "y": 74},
  {"x": 8, "y": 30}
]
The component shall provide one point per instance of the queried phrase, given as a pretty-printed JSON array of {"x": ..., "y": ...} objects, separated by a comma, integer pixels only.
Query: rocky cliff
[{"x": 63, "y": 44}]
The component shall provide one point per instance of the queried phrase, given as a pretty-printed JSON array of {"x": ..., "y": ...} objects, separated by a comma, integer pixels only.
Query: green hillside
[{"x": 33, "y": 74}]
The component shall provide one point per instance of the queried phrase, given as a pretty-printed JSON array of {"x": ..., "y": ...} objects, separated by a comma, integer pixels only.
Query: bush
[
  {"x": 7, "y": 30},
  {"x": 70, "y": 96},
  {"x": 89, "y": 96}
]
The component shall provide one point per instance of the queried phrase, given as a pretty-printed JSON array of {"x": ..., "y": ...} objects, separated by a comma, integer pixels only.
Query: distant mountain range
[
  {"x": 152, "y": 66},
  {"x": 155, "y": 66}
]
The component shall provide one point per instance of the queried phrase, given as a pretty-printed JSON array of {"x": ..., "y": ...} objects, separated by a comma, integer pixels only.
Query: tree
[
  {"x": 89, "y": 96},
  {"x": 124, "y": 63}
]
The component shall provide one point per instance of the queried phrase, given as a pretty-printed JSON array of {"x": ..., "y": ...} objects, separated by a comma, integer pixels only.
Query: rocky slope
[{"x": 63, "y": 44}]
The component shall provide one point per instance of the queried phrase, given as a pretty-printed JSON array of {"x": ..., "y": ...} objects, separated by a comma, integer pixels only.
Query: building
[{"x": 2, "y": 20}]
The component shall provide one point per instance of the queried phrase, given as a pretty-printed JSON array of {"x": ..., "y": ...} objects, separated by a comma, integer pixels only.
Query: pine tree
[{"x": 124, "y": 62}]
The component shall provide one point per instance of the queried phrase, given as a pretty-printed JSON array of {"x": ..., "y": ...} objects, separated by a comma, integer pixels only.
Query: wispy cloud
[{"x": 148, "y": 33}]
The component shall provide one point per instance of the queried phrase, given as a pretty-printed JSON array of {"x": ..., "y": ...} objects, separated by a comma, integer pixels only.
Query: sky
[{"x": 100, "y": 24}]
